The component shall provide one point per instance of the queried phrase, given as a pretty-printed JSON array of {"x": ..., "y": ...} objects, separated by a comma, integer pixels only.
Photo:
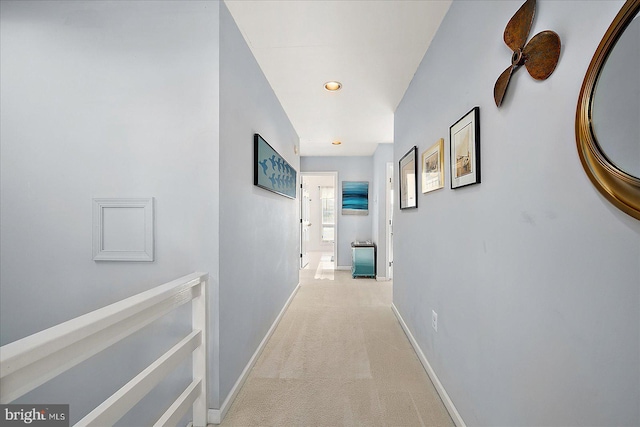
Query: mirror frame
[{"x": 619, "y": 187}]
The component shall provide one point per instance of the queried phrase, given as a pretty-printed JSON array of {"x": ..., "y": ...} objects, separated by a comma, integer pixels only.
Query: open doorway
[{"x": 318, "y": 225}]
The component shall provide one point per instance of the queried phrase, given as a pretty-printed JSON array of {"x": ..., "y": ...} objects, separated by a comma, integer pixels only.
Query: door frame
[
  {"x": 302, "y": 209},
  {"x": 389, "y": 206},
  {"x": 334, "y": 174}
]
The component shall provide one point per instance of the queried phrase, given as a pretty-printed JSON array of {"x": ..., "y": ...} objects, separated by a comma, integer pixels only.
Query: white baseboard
[
  {"x": 448, "y": 403},
  {"x": 215, "y": 416},
  {"x": 343, "y": 267},
  {"x": 382, "y": 279}
]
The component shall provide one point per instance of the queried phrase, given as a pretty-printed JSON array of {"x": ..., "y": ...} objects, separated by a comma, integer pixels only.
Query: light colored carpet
[{"x": 338, "y": 358}]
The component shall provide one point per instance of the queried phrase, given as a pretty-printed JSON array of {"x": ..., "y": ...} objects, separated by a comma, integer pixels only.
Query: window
[{"x": 327, "y": 198}]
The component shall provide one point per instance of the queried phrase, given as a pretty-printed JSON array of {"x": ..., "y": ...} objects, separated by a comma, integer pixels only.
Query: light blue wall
[
  {"x": 533, "y": 274},
  {"x": 129, "y": 106},
  {"x": 354, "y": 227},
  {"x": 259, "y": 237},
  {"x": 105, "y": 99}
]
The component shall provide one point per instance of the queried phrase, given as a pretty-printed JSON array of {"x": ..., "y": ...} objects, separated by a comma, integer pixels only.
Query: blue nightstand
[{"x": 363, "y": 259}]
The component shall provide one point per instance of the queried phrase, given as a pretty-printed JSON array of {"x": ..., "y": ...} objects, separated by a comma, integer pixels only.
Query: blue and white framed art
[
  {"x": 355, "y": 198},
  {"x": 271, "y": 171}
]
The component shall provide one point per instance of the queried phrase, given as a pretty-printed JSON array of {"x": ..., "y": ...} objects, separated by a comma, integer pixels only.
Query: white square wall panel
[{"x": 123, "y": 229}]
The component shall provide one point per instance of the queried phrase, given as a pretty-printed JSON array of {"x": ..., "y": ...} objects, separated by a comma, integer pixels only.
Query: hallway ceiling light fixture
[
  {"x": 333, "y": 86},
  {"x": 336, "y": 142}
]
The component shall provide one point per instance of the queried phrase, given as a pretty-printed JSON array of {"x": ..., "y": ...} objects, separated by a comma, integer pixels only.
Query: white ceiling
[{"x": 373, "y": 47}]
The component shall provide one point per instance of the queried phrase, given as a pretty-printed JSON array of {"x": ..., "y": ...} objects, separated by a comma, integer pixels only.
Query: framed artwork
[
  {"x": 433, "y": 167},
  {"x": 355, "y": 198},
  {"x": 271, "y": 171},
  {"x": 409, "y": 179},
  {"x": 465, "y": 150}
]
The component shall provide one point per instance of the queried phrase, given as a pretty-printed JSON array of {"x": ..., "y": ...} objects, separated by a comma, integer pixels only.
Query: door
[
  {"x": 304, "y": 223},
  {"x": 390, "y": 200}
]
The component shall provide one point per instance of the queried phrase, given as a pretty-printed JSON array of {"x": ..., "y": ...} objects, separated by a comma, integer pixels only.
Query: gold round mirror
[{"x": 608, "y": 114}]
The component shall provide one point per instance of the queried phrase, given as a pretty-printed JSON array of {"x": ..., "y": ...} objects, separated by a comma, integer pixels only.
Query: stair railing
[{"x": 32, "y": 361}]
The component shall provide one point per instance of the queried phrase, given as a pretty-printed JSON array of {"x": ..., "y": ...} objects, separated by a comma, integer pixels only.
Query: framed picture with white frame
[
  {"x": 433, "y": 167},
  {"x": 409, "y": 179},
  {"x": 464, "y": 138}
]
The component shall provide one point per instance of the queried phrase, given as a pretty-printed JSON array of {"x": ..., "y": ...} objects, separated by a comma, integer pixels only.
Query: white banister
[
  {"x": 180, "y": 407},
  {"x": 27, "y": 363},
  {"x": 200, "y": 320}
]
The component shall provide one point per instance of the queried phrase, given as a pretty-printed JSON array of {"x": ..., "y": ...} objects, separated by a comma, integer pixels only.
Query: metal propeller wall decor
[{"x": 539, "y": 56}]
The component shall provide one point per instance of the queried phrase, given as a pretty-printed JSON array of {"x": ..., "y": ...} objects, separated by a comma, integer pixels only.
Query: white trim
[
  {"x": 213, "y": 417},
  {"x": 199, "y": 359},
  {"x": 388, "y": 187},
  {"x": 217, "y": 415},
  {"x": 122, "y": 254},
  {"x": 34, "y": 360},
  {"x": 121, "y": 402},
  {"x": 448, "y": 403},
  {"x": 179, "y": 408},
  {"x": 382, "y": 279},
  {"x": 301, "y": 210},
  {"x": 343, "y": 267}
]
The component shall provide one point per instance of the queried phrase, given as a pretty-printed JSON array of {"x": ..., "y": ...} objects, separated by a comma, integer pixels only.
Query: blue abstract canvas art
[
  {"x": 355, "y": 198},
  {"x": 271, "y": 171}
]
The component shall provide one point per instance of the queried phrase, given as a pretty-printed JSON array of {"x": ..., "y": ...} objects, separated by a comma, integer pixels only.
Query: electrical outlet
[{"x": 434, "y": 320}]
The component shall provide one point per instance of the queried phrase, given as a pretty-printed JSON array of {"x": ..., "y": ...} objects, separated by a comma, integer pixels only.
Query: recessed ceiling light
[
  {"x": 332, "y": 86},
  {"x": 336, "y": 142}
]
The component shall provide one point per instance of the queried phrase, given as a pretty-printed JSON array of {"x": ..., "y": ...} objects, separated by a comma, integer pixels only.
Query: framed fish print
[{"x": 271, "y": 171}]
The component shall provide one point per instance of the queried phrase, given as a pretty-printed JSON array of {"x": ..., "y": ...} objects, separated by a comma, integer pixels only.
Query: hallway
[{"x": 338, "y": 358}]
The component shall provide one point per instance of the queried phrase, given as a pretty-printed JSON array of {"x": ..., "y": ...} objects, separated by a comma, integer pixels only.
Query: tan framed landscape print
[
  {"x": 433, "y": 167},
  {"x": 464, "y": 138}
]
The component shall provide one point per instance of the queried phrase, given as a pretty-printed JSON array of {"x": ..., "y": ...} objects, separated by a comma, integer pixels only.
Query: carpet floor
[{"x": 338, "y": 357}]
